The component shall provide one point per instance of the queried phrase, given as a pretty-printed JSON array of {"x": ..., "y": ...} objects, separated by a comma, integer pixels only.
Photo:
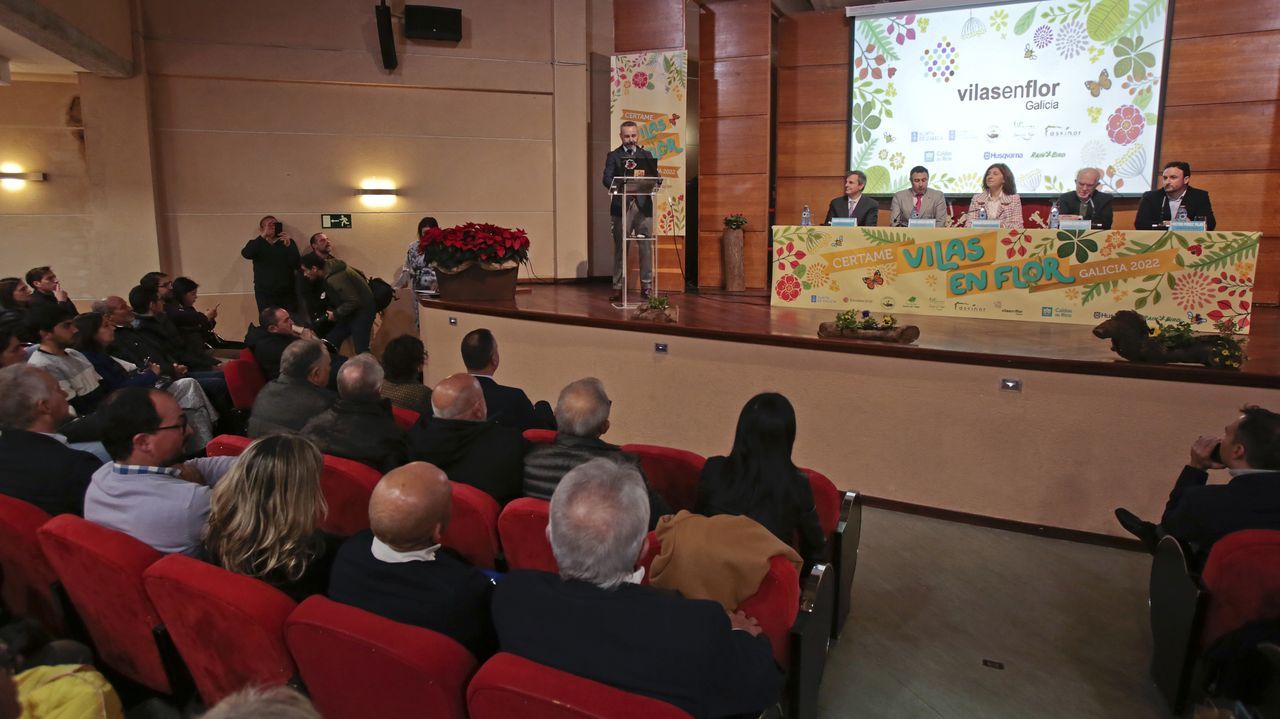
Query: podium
[{"x": 628, "y": 188}]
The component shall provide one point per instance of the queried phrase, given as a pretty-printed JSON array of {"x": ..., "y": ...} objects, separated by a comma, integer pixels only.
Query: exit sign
[{"x": 335, "y": 222}]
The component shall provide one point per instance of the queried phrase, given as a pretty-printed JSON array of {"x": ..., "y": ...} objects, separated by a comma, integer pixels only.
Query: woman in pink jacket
[{"x": 1000, "y": 198}]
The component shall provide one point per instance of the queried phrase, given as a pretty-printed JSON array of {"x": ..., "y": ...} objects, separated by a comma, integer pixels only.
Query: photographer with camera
[
  {"x": 1199, "y": 513},
  {"x": 275, "y": 260}
]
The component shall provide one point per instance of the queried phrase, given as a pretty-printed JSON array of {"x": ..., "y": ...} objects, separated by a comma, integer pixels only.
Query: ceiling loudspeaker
[
  {"x": 428, "y": 22},
  {"x": 386, "y": 38}
]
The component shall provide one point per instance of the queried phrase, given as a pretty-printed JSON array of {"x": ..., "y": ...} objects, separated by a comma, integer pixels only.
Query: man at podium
[{"x": 630, "y": 159}]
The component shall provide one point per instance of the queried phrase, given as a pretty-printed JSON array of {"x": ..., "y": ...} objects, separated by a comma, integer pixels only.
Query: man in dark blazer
[
  {"x": 508, "y": 406},
  {"x": 1085, "y": 202},
  {"x": 1199, "y": 513},
  {"x": 639, "y": 213},
  {"x": 852, "y": 204},
  {"x": 596, "y": 621},
  {"x": 1158, "y": 207},
  {"x": 39, "y": 467}
]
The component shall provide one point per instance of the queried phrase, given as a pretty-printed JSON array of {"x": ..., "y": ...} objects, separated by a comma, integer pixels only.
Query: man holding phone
[
  {"x": 1199, "y": 513},
  {"x": 275, "y": 260}
]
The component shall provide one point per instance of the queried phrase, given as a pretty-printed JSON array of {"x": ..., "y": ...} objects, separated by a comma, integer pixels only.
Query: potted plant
[
  {"x": 475, "y": 261},
  {"x": 657, "y": 309},
  {"x": 861, "y": 325},
  {"x": 731, "y": 253}
]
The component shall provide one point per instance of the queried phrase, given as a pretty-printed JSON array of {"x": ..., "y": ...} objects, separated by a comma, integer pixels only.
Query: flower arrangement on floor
[
  {"x": 1178, "y": 335},
  {"x": 657, "y": 309},
  {"x": 861, "y": 325},
  {"x": 453, "y": 249},
  {"x": 855, "y": 320}
]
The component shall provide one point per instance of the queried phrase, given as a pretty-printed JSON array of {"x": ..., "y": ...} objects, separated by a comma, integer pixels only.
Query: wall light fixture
[
  {"x": 376, "y": 192},
  {"x": 13, "y": 177}
]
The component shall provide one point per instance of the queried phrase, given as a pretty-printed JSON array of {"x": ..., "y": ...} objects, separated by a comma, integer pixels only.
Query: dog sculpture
[{"x": 1131, "y": 339}]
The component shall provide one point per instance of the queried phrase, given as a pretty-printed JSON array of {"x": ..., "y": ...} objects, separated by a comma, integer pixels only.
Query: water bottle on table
[
  {"x": 1053, "y": 216},
  {"x": 806, "y": 218}
]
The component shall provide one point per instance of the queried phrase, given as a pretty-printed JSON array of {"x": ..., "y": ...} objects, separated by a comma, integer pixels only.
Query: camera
[{"x": 279, "y": 227}]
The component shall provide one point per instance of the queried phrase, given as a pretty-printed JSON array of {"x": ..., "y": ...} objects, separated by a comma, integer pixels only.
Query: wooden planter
[
  {"x": 905, "y": 334},
  {"x": 731, "y": 260},
  {"x": 669, "y": 315},
  {"x": 477, "y": 283}
]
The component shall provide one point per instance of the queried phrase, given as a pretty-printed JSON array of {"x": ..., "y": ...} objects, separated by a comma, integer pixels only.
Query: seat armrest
[
  {"x": 810, "y": 638},
  {"x": 1177, "y": 617}
]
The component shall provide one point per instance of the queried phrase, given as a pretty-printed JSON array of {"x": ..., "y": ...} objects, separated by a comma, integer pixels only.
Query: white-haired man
[
  {"x": 1086, "y": 202},
  {"x": 360, "y": 426}
]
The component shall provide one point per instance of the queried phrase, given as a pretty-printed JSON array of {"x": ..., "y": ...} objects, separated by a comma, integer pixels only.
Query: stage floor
[{"x": 748, "y": 318}]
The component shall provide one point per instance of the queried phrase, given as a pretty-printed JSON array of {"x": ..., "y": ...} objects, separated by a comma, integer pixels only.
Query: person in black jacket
[
  {"x": 853, "y": 203},
  {"x": 1086, "y": 202},
  {"x": 596, "y": 621},
  {"x": 397, "y": 568},
  {"x": 639, "y": 211},
  {"x": 47, "y": 290},
  {"x": 275, "y": 261},
  {"x": 508, "y": 406},
  {"x": 470, "y": 450},
  {"x": 360, "y": 426},
  {"x": 759, "y": 480},
  {"x": 39, "y": 467},
  {"x": 1160, "y": 206}
]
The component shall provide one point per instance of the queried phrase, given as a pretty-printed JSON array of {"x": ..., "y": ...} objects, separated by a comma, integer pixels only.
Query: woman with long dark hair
[
  {"x": 759, "y": 480},
  {"x": 196, "y": 327}
]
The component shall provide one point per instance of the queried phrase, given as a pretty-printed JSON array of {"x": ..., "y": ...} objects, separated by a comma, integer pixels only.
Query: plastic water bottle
[
  {"x": 915, "y": 214},
  {"x": 1182, "y": 214},
  {"x": 1053, "y": 216},
  {"x": 806, "y": 218},
  {"x": 982, "y": 212}
]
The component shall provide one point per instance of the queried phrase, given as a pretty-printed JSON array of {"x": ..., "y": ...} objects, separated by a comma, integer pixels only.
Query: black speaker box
[
  {"x": 386, "y": 38},
  {"x": 428, "y": 22}
]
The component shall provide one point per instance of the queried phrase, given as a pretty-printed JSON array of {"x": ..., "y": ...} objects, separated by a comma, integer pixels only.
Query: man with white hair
[
  {"x": 596, "y": 621},
  {"x": 298, "y": 395},
  {"x": 39, "y": 467},
  {"x": 360, "y": 426},
  {"x": 582, "y": 414},
  {"x": 459, "y": 440},
  {"x": 1086, "y": 202}
]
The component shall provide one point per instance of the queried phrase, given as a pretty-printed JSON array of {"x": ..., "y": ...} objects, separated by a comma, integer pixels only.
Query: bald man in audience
[
  {"x": 397, "y": 568},
  {"x": 470, "y": 450},
  {"x": 597, "y": 621},
  {"x": 360, "y": 426}
]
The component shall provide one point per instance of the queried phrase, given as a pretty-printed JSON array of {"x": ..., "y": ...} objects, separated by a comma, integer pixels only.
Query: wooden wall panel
[
  {"x": 709, "y": 271},
  {"x": 816, "y": 38},
  {"x": 811, "y": 149},
  {"x": 1233, "y": 68},
  {"x": 755, "y": 253},
  {"x": 1248, "y": 145},
  {"x": 747, "y": 135},
  {"x": 722, "y": 195},
  {"x": 1199, "y": 18},
  {"x": 793, "y": 193},
  {"x": 739, "y": 86},
  {"x": 813, "y": 94},
  {"x": 735, "y": 29},
  {"x": 644, "y": 25},
  {"x": 1241, "y": 200}
]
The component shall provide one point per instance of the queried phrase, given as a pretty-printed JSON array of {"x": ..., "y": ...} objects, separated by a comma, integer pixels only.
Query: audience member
[
  {"x": 759, "y": 480},
  {"x": 298, "y": 395},
  {"x": 275, "y": 260},
  {"x": 282, "y": 702},
  {"x": 416, "y": 274},
  {"x": 397, "y": 568},
  {"x": 143, "y": 348},
  {"x": 96, "y": 333},
  {"x": 582, "y": 414},
  {"x": 15, "y": 300},
  {"x": 360, "y": 426},
  {"x": 403, "y": 359},
  {"x": 149, "y": 319},
  {"x": 56, "y": 329},
  {"x": 47, "y": 290},
  {"x": 11, "y": 351},
  {"x": 595, "y": 620},
  {"x": 348, "y": 300},
  {"x": 459, "y": 441},
  {"x": 1199, "y": 513},
  {"x": 194, "y": 327},
  {"x": 39, "y": 467},
  {"x": 145, "y": 492},
  {"x": 264, "y": 517},
  {"x": 508, "y": 406},
  {"x": 161, "y": 284},
  {"x": 275, "y": 331}
]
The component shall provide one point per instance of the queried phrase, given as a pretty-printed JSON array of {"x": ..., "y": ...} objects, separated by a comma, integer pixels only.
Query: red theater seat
[
  {"x": 228, "y": 628},
  {"x": 356, "y": 664},
  {"x": 346, "y": 485},
  {"x": 523, "y": 529},
  {"x": 473, "y": 526},
  {"x": 244, "y": 382},
  {"x": 28, "y": 577},
  {"x": 405, "y": 418},
  {"x": 247, "y": 354},
  {"x": 672, "y": 473},
  {"x": 227, "y": 445},
  {"x": 101, "y": 570},
  {"x": 539, "y": 436},
  {"x": 511, "y": 686}
]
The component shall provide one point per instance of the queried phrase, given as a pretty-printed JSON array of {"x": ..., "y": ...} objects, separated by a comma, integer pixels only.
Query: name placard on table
[
  {"x": 986, "y": 224},
  {"x": 844, "y": 222},
  {"x": 921, "y": 222},
  {"x": 1076, "y": 225},
  {"x": 1187, "y": 226}
]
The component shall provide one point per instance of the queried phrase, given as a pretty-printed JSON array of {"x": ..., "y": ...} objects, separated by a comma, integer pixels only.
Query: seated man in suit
[
  {"x": 397, "y": 568},
  {"x": 145, "y": 492},
  {"x": 39, "y": 467},
  {"x": 298, "y": 395},
  {"x": 1199, "y": 513},
  {"x": 360, "y": 426},
  {"x": 508, "y": 406},
  {"x": 1160, "y": 206},
  {"x": 595, "y": 620},
  {"x": 1086, "y": 202},
  {"x": 852, "y": 204},
  {"x": 917, "y": 201},
  {"x": 469, "y": 449},
  {"x": 582, "y": 413},
  {"x": 267, "y": 341}
]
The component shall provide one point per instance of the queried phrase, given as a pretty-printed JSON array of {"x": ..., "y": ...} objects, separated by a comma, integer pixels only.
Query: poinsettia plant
[{"x": 450, "y": 248}]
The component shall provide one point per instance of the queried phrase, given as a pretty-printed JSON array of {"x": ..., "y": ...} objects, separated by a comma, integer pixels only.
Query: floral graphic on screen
[
  {"x": 1043, "y": 37},
  {"x": 1072, "y": 39},
  {"x": 941, "y": 60},
  {"x": 1125, "y": 125}
]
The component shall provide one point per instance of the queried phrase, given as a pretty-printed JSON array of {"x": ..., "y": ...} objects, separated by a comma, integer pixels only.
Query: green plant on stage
[
  {"x": 863, "y": 320},
  {"x": 735, "y": 222},
  {"x": 658, "y": 302},
  {"x": 1179, "y": 334}
]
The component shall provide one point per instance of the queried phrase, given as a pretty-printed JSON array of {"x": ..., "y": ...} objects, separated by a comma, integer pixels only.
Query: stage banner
[
  {"x": 1062, "y": 276},
  {"x": 649, "y": 88}
]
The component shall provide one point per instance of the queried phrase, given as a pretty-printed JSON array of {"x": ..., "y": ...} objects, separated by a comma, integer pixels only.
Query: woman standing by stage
[{"x": 1000, "y": 198}]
